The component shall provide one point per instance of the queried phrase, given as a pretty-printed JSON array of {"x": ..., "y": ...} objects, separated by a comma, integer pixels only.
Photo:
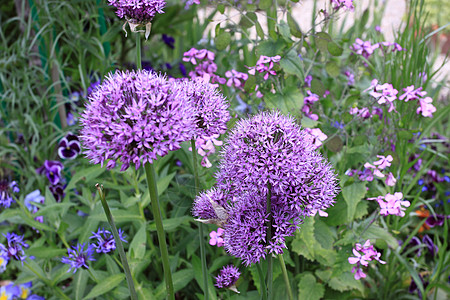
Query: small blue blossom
[
  {"x": 6, "y": 188},
  {"x": 14, "y": 248},
  {"x": 105, "y": 240},
  {"x": 78, "y": 257},
  {"x": 9, "y": 292},
  {"x": 420, "y": 182},
  {"x": 31, "y": 198}
]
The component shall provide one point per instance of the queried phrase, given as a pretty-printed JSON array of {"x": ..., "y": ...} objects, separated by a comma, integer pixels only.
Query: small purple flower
[
  {"x": 350, "y": 77},
  {"x": 168, "y": 40},
  {"x": 429, "y": 243},
  {"x": 25, "y": 290},
  {"x": 364, "y": 48},
  {"x": 52, "y": 169},
  {"x": 368, "y": 254},
  {"x": 69, "y": 147},
  {"x": 35, "y": 197},
  {"x": 6, "y": 188},
  {"x": 57, "y": 191},
  {"x": 105, "y": 240},
  {"x": 227, "y": 277},
  {"x": 9, "y": 291},
  {"x": 14, "y": 248},
  {"x": 308, "y": 80},
  {"x": 437, "y": 220},
  {"x": 415, "y": 241},
  {"x": 347, "y": 4},
  {"x": 78, "y": 257},
  {"x": 216, "y": 237}
]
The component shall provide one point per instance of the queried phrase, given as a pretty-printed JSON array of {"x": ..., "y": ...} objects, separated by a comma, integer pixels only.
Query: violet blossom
[
  {"x": 134, "y": 117},
  {"x": 138, "y": 11},
  {"x": 385, "y": 161},
  {"x": 236, "y": 79},
  {"x": 364, "y": 48},
  {"x": 392, "y": 204},
  {"x": 228, "y": 277},
  {"x": 390, "y": 179},
  {"x": 14, "y": 246},
  {"x": 69, "y": 147},
  {"x": 52, "y": 169},
  {"x": 432, "y": 248},
  {"x": 384, "y": 93},
  {"x": 318, "y": 136},
  {"x": 265, "y": 65},
  {"x": 78, "y": 257},
  {"x": 425, "y": 107},
  {"x": 347, "y": 4},
  {"x": 205, "y": 67},
  {"x": 105, "y": 242},
  {"x": 363, "y": 255},
  {"x": 6, "y": 189}
]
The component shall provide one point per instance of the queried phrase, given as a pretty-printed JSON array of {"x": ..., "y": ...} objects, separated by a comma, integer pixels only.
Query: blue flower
[
  {"x": 9, "y": 292},
  {"x": 78, "y": 257},
  {"x": 14, "y": 247},
  {"x": 6, "y": 188},
  {"x": 105, "y": 240},
  {"x": 36, "y": 197}
]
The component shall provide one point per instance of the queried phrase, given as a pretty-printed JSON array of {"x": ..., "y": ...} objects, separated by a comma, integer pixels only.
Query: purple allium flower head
[
  {"x": 69, "y": 147},
  {"x": 270, "y": 150},
  {"x": 52, "y": 169},
  {"x": 138, "y": 11},
  {"x": 78, "y": 257},
  {"x": 211, "y": 107},
  {"x": 31, "y": 198},
  {"x": 135, "y": 116},
  {"x": 209, "y": 206},
  {"x": 6, "y": 188},
  {"x": 105, "y": 240},
  {"x": 14, "y": 248},
  {"x": 227, "y": 277}
]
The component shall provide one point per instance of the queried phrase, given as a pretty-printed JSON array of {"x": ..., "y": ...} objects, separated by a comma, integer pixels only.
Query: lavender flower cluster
[
  {"x": 266, "y": 155},
  {"x": 135, "y": 116},
  {"x": 368, "y": 254},
  {"x": 138, "y": 11}
]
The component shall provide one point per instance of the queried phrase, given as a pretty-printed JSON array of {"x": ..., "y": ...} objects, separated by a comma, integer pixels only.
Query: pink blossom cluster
[
  {"x": 236, "y": 79},
  {"x": 366, "y": 49},
  {"x": 317, "y": 136},
  {"x": 384, "y": 93},
  {"x": 363, "y": 255},
  {"x": 205, "y": 66},
  {"x": 216, "y": 237},
  {"x": 392, "y": 204},
  {"x": 365, "y": 112},
  {"x": 308, "y": 102},
  {"x": 395, "y": 46},
  {"x": 205, "y": 147},
  {"x": 265, "y": 65},
  {"x": 425, "y": 107},
  {"x": 346, "y": 4},
  {"x": 375, "y": 169}
]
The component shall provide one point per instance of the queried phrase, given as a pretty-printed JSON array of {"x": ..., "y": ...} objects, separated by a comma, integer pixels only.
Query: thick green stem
[
  {"x": 151, "y": 181},
  {"x": 286, "y": 277},
  {"x": 261, "y": 281},
  {"x": 119, "y": 245},
  {"x": 200, "y": 225},
  {"x": 138, "y": 51},
  {"x": 269, "y": 237}
]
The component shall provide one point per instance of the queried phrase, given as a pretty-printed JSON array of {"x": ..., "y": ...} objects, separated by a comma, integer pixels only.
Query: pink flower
[
  {"x": 412, "y": 94},
  {"x": 426, "y": 108},
  {"x": 317, "y": 135},
  {"x": 311, "y": 98},
  {"x": 368, "y": 254},
  {"x": 383, "y": 162},
  {"x": 216, "y": 237},
  {"x": 390, "y": 179},
  {"x": 363, "y": 48},
  {"x": 236, "y": 78}
]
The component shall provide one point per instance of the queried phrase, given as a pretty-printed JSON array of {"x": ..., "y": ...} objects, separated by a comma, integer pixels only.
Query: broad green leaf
[
  {"x": 259, "y": 30},
  {"x": 283, "y": 29},
  {"x": 46, "y": 252},
  {"x": 265, "y": 4},
  {"x": 180, "y": 280},
  {"x": 79, "y": 283},
  {"x": 222, "y": 40},
  {"x": 291, "y": 64},
  {"x": 293, "y": 26},
  {"x": 197, "y": 267},
  {"x": 309, "y": 288},
  {"x": 290, "y": 101},
  {"x": 105, "y": 286},
  {"x": 322, "y": 39},
  {"x": 170, "y": 224},
  {"x": 353, "y": 194},
  {"x": 308, "y": 123},
  {"x": 317, "y": 87},
  {"x": 164, "y": 182},
  {"x": 138, "y": 244},
  {"x": 323, "y": 234},
  {"x": 376, "y": 232},
  {"x": 345, "y": 282},
  {"x": 335, "y": 144},
  {"x": 270, "y": 47},
  {"x": 335, "y": 49},
  {"x": 332, "y": 69},
  {"x": 89, "y": 175},
  {"x": 248, "y": 20}
]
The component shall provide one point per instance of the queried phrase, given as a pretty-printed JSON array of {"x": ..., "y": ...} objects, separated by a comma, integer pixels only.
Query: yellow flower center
[
  {"x": 25, "y": 293},
  {"x": 3, "y": 296}
]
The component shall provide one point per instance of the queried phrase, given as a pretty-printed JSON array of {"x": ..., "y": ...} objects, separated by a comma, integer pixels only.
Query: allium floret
[
  {"x": 135, "y": 116},
  {"x": 78, "y": 257},
  {"x": 228, "y": 277}
]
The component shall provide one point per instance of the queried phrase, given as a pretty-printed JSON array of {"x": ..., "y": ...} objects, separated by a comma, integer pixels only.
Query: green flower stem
[
  {"x": 200, "y": 225},
  {"x": 138, "y": 51},
  {"x": 286, "y": 277},
  {"x": 152, "y": 188},
  {"x": 269, "y": 237},
  {"x": 262, "y": 282},
  {"x": 119, "y": 245}
]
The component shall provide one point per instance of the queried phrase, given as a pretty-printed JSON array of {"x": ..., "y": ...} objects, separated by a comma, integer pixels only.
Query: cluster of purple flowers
[
  {"x": 12, "y": 250},
  {"x": 375, "y": 169},
  {"x": 392, "y": 204},
  {"x": 236, "y": 79},
  {"x": 267, "y": 154},
  {"x": 365, "y": 113},
  {"x": 138, "y": 11},
  {"x": 265, "y": 65},
  {"x": 385, "y": 93},
  {"x": 363, "y": 255},
  {"x": 228, "y": 277},
  {"x": 6, "y": 188},
  {"x": 105, "y": 240},
  {"x": 346, "y": 4},
  {"x": 366, "y": 49},
  {"x": 21, "y": 291},
  {"x": 317, "y": 136},
  {"x": 205, "y": 67},
  {"x": 135, "y": 116},
  {"x": 308, "y": 102}
]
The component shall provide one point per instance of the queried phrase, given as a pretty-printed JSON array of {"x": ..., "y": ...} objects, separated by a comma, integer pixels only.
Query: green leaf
[
  {"x": 309, "y": 123},
  {"x": 353, "y": 194},
  {"x": 317, "y": 87},
  {"x": 46, "y": 252},
  {"x": 119, "y": 215},
  {"x": 334, "y": 49},
  {"x": 259, "y": 30},
  {"x": 171, "y": 224},
  {"x": 138, "y": 244},
  {"x": 309, "y": 288},
  {"x": 293, "y": 26},
  {"x": 163, "y": 183},
  {"x": 322, "y": 39},
  {"x": 180, "y": 280},
  {"x": 265, "y": 4},
  {"x": 405, "y": 135},
  {"x": 250, "y": 84},
  {"x": 283, "y": 29},
  {"x": 221, "y": 8},
  {"x": 332, "y": 69},
  {"x": 222, "y": 40},
  {"x": 335, "y": 144},
  {"x": 270, "y": 47},
  {"x": 345, "y": 282},
  {"x": 290, "y": 101},
  {"x": 376, "y": 232},
  {"x": 198, "y": 274},
  {"x": 79, "y": 283},
  {"x": 292, "y": 64},
  {"x": 105, "y": 286},
  {"x": 89, "y": 175},
  {"x": 337, "y": 214}
]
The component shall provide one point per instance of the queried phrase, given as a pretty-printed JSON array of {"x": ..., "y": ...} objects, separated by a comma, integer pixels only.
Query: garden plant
[{"x": 197, "y": 149}]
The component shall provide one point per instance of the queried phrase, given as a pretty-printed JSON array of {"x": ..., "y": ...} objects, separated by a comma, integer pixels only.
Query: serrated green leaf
[
  {"x": 105, "y": 286},
  {"x": 353, "y": 194},
  {"x": 309, "y": 288},
  {"x": 222, "y": 40}
]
